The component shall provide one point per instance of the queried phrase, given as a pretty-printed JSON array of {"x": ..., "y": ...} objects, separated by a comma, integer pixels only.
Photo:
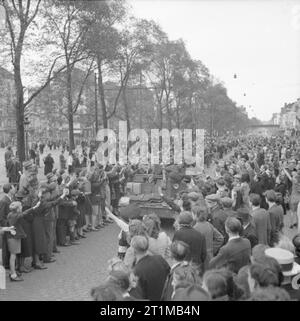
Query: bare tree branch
[
  {"x": 34, "y": 13},
  {"x": 82, "y": 87},
  {"x": 10, "y": 27},
  {"x": 16, "y": 10},
  {"x": 50, "y": 78}
]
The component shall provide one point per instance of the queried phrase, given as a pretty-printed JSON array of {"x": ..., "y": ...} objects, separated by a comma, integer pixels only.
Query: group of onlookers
[{"x": 225, "y": 226}]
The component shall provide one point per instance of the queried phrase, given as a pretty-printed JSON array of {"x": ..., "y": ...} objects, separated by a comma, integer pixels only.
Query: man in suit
[
  {"x": 276, "y": 216},
  {"x": 248, "y": 229},
  {"x": 193, "y": 238},
  {"x": 236, "y": 253},
  {"x": 150, "y": 270},
  {"x": 261, "y": 220},
  {"x": 5, "y": 201}
]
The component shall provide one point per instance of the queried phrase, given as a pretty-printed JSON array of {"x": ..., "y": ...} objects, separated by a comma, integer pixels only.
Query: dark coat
[
  {"x": 14, "y": 219},
  {"x": 49, "y": 162},
  {"x": 65, "y": 209},
  {"x": 234, "y": 255},
  {"x": 276, "y": 219},
  {"x": 262, "y": 225},
  {"x": 218, "y": 218},
  {"x": 250, "y": 234},
  {"x": 38, "y": 225},
  {"x": 197, "y": 244},
  {"x": 152, "y": 272},
  {"x": 4, "y": 209},
  {"x": 13, "y": 168}
]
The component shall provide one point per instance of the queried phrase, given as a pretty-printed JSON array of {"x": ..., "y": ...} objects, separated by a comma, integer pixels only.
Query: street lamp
[{"x": 26, "y": 127}]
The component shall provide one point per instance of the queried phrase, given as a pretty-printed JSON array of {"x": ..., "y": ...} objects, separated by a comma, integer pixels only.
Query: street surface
[{"x": 77, "y": 268}]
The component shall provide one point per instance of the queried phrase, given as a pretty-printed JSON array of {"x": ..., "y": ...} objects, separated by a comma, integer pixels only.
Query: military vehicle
[{"x": 144, "y": 192}]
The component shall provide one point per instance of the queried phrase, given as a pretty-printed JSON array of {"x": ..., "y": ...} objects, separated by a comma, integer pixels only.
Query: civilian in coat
[
  {"x": 257, "y": 188},
  {"x": 193, "y": 238},
  {"x": 49, "y": 162},
  {"x": 217, "y": 215},
  {"x": 214, "y": 239},
  {"x": 248, "y": 229},
  {"x": 276, "y": 216},
  {"x": 14, "y": 240},
  {"x": 179, "y": 254},
  {"x": 7, "y": 155},
  {"x": 236, "y": 253},
  {"x": 27, "y": 199},
  {"x": 65, "y": 209},
  {"x": 261, "y": 220},
  {"x": 40, "y": 238},
  {"x": 151, "y": 270},
  {"x": 13, "y": 169},
  {"x": 5, "y": 201}
]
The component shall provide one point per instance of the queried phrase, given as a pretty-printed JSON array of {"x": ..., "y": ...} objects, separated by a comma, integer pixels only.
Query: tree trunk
[
  {"x": 168, "y": 112},
  {"x": 126, "y": 109},
  {"x": 102, "y": 96},
  {"x": 19, "y": 108},
  {"x": 70, "y": 108},
  {"x": 177, "y": 115},
  {"x": 160, "y": 116}
]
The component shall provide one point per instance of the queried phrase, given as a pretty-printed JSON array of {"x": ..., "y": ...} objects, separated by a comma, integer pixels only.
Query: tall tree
[
  {"x": 69, "y": 23},
  {"x": 102, "y": 43}
]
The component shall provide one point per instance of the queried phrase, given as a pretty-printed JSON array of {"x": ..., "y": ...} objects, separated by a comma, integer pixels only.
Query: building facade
[
  {"x": 290, "y": 117},
  {"x": 7, "y": 107}
]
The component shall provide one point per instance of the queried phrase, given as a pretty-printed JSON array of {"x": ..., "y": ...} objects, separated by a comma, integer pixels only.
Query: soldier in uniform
[{"x": 97, "y": 177}]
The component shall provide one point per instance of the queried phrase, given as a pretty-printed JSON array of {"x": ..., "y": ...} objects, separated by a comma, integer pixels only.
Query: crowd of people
[
  {"x": 226, "y": 224},
  {"x": 39, "y": 215},
  {"x": 230, "y": 241}
]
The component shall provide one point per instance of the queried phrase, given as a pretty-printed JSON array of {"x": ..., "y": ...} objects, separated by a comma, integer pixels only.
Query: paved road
[{"x": 78, "y": 268}]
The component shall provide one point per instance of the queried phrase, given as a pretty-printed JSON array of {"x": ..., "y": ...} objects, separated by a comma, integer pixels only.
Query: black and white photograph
[{"x": 149, "y": 152}]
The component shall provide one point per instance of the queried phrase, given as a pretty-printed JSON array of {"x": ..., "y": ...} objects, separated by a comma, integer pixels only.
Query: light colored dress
[{"x": 160, "y": 246}]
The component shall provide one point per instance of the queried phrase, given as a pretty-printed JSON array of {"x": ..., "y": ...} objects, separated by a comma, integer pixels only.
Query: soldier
[
  {"x": 25, "y": 177},
  {"x": 97, "y": 177}
]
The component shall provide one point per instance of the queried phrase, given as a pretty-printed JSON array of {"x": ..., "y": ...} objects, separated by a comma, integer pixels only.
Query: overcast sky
[{"x": 257, "y": 40}]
